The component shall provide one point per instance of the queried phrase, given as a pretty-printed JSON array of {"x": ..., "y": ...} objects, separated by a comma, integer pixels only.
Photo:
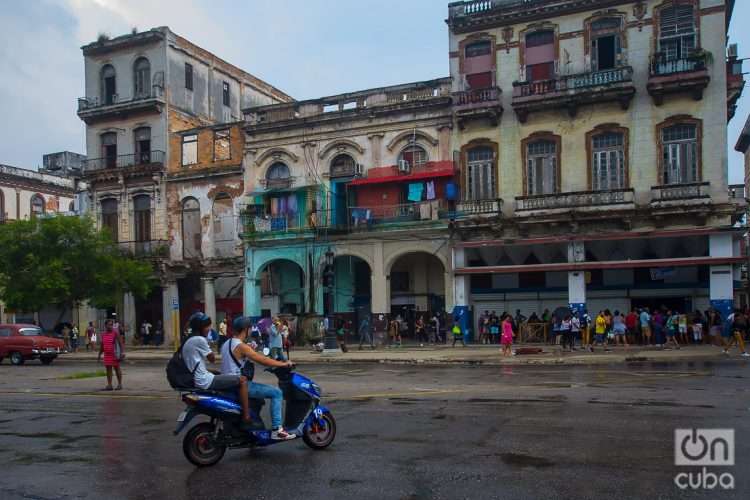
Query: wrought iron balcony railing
[
  {"x": 575, "y": 199},
  {"x": 476, "y": 96},
  {"x": 472, "y": 208},
  {"x": 93, "y": 103},
  {"x": 673, "y": 192},
  {"x": 367, "y": 217},
  {"x": 661, "y": 66},
  {"x": 581, "y": 81},
  {"x": 123, "y": 161},
  {"x": 737, "y": 192}
]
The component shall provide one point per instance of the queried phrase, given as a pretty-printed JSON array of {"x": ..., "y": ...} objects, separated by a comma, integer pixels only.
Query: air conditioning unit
[
  {"x": 359, "y": 170},
  {"x": 403, "y": 166},
  {"x": 732, "y": 51}
]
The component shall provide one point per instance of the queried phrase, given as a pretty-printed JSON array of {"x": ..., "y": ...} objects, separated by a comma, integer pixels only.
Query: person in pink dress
[
  {"x": 507, "y": 335},
  {"x": 109, "y": 345}
]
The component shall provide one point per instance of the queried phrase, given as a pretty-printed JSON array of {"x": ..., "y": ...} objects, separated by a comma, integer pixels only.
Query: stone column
[
  {"x": 209, "y": 298},
  {"x": 576, "y": 279},
  {"x": 128, "y": 314},
  {"x": 722, "y": 278},
  {"x": 170, "y": 300},
  {"x": 461, "y": 290},
  {"x": 379, "y": 292}
]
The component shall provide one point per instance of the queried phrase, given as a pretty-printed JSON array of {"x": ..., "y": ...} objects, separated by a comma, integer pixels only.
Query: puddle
[
  {"x": 340, "y": 483},
  {"x": 522, "y": 460}
]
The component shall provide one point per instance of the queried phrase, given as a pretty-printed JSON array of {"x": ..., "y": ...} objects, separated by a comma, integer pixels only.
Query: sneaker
[
  {"x": 725, "y": 352},
  {"x": 282, "y": 435},
  {"x": 745, "y": 355}
]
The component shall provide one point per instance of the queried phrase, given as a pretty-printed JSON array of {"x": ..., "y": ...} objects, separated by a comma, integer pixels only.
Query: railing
[
  {"x": 476, "y": 96},
  {"x": 468, "y": 208},
  {"x": 687, "y": 191},
  {"x": 365, "y": 217},
  {"x": 278, "y": 183},
  {"x": 574, "y": 199},
  {"x": 661, "y": 66},
  {"x": 574, "y": 82},
  {"x": 122, "y": 161},
  {"x": 87, "y": 103},
  {"x": 470, "y": 8},
  {"x": 152, "y": 248},
  {"x": 736, "y": 192}
]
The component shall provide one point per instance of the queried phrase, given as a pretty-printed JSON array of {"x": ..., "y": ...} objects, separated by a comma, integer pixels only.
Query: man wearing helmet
[{"x": 196, "y": 351}]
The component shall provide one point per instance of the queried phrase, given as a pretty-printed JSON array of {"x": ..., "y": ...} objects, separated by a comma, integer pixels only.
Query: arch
[
  {"x": 410, "y": 135},
  {"x": 534, "y": 29},
  {"x": 278, "y": 171},
  {"x": 342, "y": 165},
  {"x": 191, "y": 228},
  {"x": 108, "y": 84},
  {"x": 142, "y": 217},
  {"x": 674, "y": 4},
  {"x": 37, "y": 205},
  {"x": 598, "y": 24},
  {"x": 349, "y": 253},
  {"x": 472, "y": 39},
  {"x": 341, "y": 145},
  {"x": 416, "y": 283},
  {"x": 290, "y": 288},
  {"x": 415, "y": 154},
  {"x": 353, "y": 291},
  {"x": 141, "y": 77},
  {"x": 388, "y": 264},
  {"x": 276, "y": 154}
]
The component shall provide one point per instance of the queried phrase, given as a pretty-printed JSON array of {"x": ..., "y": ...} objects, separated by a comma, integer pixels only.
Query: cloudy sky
[{"x": 308, "y": 48}]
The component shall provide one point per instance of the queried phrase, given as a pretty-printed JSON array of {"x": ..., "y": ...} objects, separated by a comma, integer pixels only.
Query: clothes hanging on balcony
[
  {"x": 274, "y": 206},
  {"x": 430, "y": 190},
  {"x": 451, "y": 192},
  {"x": 292, "y": 204},
  {"x": 360, "y": 216},
  {"x": 415, "y": 191},
  {"x": 425, "y": 211}
]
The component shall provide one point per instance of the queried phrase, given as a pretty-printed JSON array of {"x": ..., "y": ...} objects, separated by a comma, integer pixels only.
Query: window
[
  {"x": 142, "y": 77},
  {"x": 142, "y": 218},
  {"x": 189, "y": 149},
  {"x": 278, "y": 172},
  {"x": 415, "y": 155},
  {"x": 225, "y": 93},
  {"x": 606, "y": 43},
  {"x": 477, "y": 49},
  {"x": 539, "y": 55},
  {"x": 399, "y": 281},
  {"x": 680, "y": 153},
  {"x": 676, "y": 32},
  {"x": 142, "y": 138},
  {"x": 4, "y": 332},
  {"x": 479, "y": 80},
  {"x": 37, "y": 205},
  {"x": 109, "y": 217},
  {"x": 191, "y": 229},
  {"x": 224, "y": 226},
  {"x": 188, "y": 76},
  {"x": 108, "y": 85},
  {"x": 109, "y": 149},
  {"x": 541, "y": 167},
  {"x": 608, "y": 161},
  {"x": 222, "y": 146},
  {"x": 480, "y": 174},
  {"x": 342, "y": 166}
]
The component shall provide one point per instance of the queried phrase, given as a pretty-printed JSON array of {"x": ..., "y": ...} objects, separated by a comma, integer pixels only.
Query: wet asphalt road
[{"x": 404, "y": 432}]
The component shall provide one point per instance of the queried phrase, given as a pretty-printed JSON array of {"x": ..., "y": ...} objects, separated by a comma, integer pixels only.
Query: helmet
[
  {"x": 241, "y": 323},
  {"x": 198, "y": 321}
]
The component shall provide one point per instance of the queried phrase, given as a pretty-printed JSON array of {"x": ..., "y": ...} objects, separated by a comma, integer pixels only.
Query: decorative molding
[
  {"x": 408, "y": 134},
  {"x": 341, "y": 146},
  {"x": 275, "y": 153}
]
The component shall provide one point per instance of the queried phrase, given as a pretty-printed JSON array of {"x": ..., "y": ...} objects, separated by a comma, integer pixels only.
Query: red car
[{"x": 22, "y": 342}]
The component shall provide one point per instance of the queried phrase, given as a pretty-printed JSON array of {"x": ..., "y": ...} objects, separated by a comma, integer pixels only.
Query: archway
[
  {"x": 353, "y": 296},
  {"x": 282, "y": 288},
  {"x": 417, "y": 288}
]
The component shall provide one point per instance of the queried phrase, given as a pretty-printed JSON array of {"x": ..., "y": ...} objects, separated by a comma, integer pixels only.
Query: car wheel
[
  {"x": 47, "y": 360},
  {"x": 16, "y": 358}
]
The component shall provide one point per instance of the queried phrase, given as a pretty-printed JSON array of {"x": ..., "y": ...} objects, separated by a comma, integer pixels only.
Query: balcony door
[
  {"x": 109, "y": 149},
  {"x": 680, "y": 147},
  {"x": 541, "y": 168},
  {"x": 142, "y": 222},
  {"x": 480, "y": 174},
  {"x": 142, "y": 145},
  {"x": 108, "y": 85},
  {"x": 676, "y": 32},
  {"x": 606, "y": 44},
  {"x": 608, "y": 157},
  {"x": 540, "y": 56},
  {"x": 109, "y": 217},
  {"x": 191, "y": 229}
]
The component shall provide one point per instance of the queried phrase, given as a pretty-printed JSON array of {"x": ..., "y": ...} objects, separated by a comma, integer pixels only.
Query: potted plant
[{"x": 701, "y": 57}]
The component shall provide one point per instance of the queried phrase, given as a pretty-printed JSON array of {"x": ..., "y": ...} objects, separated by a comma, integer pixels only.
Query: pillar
[
  {"x": 461, "y": 293},
  {"x": 170, "y": 304},
  {"x": 722, "y": 277},
  {"x": 576, "y": 279},
  {"x": 128, "y": 314},
  {"x": 379, "y": 292},
  {"x": 209, "y": 298}
]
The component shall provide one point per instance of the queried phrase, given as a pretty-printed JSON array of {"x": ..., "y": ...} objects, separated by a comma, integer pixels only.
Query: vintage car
[{"x": 20, "y": 342}]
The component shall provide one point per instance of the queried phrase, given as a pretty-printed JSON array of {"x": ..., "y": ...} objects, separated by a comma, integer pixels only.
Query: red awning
[{"x": 445, "y": 172}]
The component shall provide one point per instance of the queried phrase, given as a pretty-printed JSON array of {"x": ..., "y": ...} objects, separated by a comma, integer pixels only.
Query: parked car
[{"x": 20, "y": 342}]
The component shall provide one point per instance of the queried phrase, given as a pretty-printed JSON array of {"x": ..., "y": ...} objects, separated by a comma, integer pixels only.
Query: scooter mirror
[{"x": 266, "y": 351}]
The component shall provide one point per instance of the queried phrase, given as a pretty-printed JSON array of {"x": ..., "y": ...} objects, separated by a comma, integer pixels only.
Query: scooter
[{"x": 206, "y": 442}]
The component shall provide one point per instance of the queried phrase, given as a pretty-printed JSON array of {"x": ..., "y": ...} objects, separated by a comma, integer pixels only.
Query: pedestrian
[
  {"x": 394, "y": 333},
  {"x": 715, "y": 327},
  {"x": 698, "y": 327},
  {"x": 737, "y": 331},
  {"x": 586, "y": 330},
  {"x": 341, "y": 336},
  {"x": 658, "y": 321},
  {"x": 546, "y": 316},
  {"x": 457, "y": 334},
  {"x": 566, "y": 332},
  {"x": 672, "y": 329},
  {"x": 74, "y": 338},
  {"x": 645, "y": 321},
  {"x": 365, "y": 335},
  {"x": 484, "y": 328},
  {"x": 90, "y": 337},
  {"x": 420, "y": 331},
  {"x": 494, "y": 329},
  {"x": 619, "y": 329},
  {"x": 287, "y": 339},
  {"x": 600, "y": 331},
  {"x": 275, "y": 341},
  {"x": 575, "y": 329},
  {"x": 222, "y": 332},
  {"x": 631, "y": 324},
  {"x": 682, "y": 327},
  {"x": 159, "y": 333},
  {"x": 146, "y": 332},
  {"x": 66, "y": 336},
  {"x": 507, "y": 336},
  {"x": 113, "y": 349}
]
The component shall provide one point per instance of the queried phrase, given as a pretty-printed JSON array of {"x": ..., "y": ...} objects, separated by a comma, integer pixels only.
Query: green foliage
[{"x": 64, "y": 261}]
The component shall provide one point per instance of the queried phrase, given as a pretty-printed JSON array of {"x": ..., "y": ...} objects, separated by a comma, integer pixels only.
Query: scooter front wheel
[
  {"x": 319, "y": 436},
  {"x": 199, "y": 446}
]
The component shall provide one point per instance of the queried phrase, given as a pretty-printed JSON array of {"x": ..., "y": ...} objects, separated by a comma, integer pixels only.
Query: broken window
[
  {"x": 680, "y": 150},
  {"x": 676, "y": 32},
  {"x": 188, "y": 76},
  {"x": 540, "y": 55},
  {"x": 142, "y": 218},
  {"x": 222, "y": 145},
  {"x": 541, "y": 167},
  {"x": 415, "y": 155},
  {"x": 142, "y": 77},
  {"x": 608, "y": 161},
  {"x": 108, "y": 85},
  {"x": 225, "y": 93},
  {"x": 224, "y": 226},
  {"x": 142, "y": 138},
  {"x": 109, "y": 217},
  {"x": 480, "y": 174},
  {"x": 191, "y": 229},
  {"x": 109, "y": 149},
  {"x": 37, "y": 205},
  {"x": 606, "y": 44},
  {"x": 189, "y": 149}
]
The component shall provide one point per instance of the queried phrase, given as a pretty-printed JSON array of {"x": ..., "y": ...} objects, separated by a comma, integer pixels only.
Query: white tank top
[{"x": 228, "y": 366}]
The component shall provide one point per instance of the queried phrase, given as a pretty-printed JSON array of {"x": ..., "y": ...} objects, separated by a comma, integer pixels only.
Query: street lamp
[{"x": 330, "y": 345}]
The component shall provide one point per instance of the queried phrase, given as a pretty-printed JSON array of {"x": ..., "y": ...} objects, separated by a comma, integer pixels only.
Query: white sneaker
[
  {"x": 282, "y": 435},
  {"x": 745, "y": 355},
  {"x": 725, "y": 352}
]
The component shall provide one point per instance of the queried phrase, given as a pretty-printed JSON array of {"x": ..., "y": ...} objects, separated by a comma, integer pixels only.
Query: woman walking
[
  {"x": 90, "y": 337},
  {"x": 113, "y": 349},
  {"x": 507, "y": 337}
]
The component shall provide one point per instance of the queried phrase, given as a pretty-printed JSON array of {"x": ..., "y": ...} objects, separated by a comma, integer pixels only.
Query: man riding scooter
[{"x": 237, "y": 360}]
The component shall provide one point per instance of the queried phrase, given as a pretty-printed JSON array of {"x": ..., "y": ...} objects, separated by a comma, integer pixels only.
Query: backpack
[{"x": 178, "y": 375}]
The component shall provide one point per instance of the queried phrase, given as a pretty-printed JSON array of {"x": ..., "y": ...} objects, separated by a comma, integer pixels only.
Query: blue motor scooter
[{"x": 206, "y": 442}]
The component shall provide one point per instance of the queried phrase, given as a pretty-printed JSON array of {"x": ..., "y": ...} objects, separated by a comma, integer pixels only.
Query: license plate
[
  {"x": 182, "y": 416},
  {"x": 50, "y": 349}
]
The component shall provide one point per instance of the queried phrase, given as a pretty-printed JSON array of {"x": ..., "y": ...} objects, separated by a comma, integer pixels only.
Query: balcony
[
  {"x": 92, "y": 109},
  {"x": 153, "y": 249},
  {"x": 477, "y": 104},
  {"x": 475, "y": 209},
  {"x": 400, "y": 216},
  {"x": 677, "y": 76},
  {"x": 258, "y": 226},
  {"x": 592, "y": 204},
  {"x": 571, "y": 91},
  {"x": 273, "y": 184},
  {"x": 679, "y": 198},
  {"x": 149, "y": 161}
]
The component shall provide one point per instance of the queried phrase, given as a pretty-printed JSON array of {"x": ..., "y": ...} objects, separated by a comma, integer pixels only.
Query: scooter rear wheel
[
  {"x": 320, "y": 437},
  {"x": 199, "y": 446}
]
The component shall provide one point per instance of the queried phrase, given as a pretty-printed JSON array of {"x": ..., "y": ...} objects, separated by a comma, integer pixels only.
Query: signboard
[{"x": 175, "y": 304}]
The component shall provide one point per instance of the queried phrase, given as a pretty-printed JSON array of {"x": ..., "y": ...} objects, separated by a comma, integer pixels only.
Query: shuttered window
[{"x": 677, "y": 32}]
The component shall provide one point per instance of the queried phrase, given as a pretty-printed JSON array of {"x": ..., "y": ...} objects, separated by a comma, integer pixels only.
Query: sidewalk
[{"x": 471, "y": 355}]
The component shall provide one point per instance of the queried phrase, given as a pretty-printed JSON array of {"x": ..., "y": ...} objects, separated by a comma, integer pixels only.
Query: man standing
[
  {"x": 364, "y": 333},
  {"x": 645, "y": 320},
  {"x": 222, "y": 332},
  {"x": 146, "y": 332}
]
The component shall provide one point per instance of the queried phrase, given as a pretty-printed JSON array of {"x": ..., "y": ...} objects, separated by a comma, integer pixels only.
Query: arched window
[
  {"x": 37, "y": 205},
  {"x": 677, "y": 37},
  {"x": 541, "y": 167},
  {"x": 608, "y": 161},
  {"x": 224, "y": 226},
  {"x": 415, "y": 155},
  {"x": 109, "y": 217},
  {"x": 142, "y": 77},
  {"x": 191, "y": 229},
  {"x": 342, "y": 166},
  {"x": 480, "y": 174},
  {"x": 278, "y": 176},
  {"x": 142, "y": 136},
  {"x": 142, "y": 218},
  {"x": 108, "y": 85},
  {"x": 539, "y": 55},
  {"x": 109, "y": 149},
  {"x": 606, "y": 43},
  {"x": 680, "y": 153}
]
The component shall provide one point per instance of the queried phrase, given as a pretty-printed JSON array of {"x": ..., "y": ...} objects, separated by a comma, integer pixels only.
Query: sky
[{"x": 307, "y": 48}]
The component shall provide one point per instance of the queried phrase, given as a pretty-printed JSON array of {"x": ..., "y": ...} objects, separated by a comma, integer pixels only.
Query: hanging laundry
[
  {"x": 283, "y": 206},
  {"x": 292, "y": 204},
  {"x": 274, "y": 206},
  {"x": 431, "y": 190},
  {"x": 415, "y": 191}
]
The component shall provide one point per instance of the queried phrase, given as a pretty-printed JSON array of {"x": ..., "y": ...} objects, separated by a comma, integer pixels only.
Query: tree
[{"x": 65, "y": 261}]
